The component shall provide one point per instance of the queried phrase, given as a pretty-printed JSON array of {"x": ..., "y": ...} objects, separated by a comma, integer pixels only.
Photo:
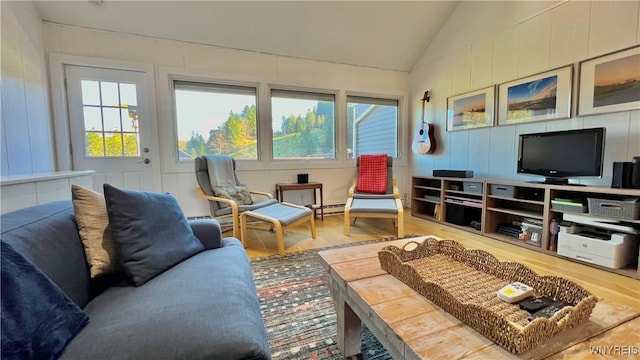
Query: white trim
[{"x": 60, "y": 114}]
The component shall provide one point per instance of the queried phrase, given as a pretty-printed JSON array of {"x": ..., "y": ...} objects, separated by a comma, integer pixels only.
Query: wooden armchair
[
  {"x": 381, "y": 204},
  {"x": 225, "y": 207}
]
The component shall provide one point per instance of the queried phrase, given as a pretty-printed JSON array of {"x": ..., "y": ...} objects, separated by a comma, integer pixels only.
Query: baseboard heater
[{"x": 334, "y": 209}]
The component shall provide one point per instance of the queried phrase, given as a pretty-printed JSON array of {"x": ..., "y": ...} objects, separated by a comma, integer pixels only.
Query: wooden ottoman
[{"x": 280, "y": 215}]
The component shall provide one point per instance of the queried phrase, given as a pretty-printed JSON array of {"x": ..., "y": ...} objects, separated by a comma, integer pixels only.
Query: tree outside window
[
  {"x": 303, "y": 125},
  {"x": 216, "y": 119}
]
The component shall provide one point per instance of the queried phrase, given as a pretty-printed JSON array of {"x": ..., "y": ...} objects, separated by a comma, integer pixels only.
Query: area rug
[{"x": 298, "y": 311}]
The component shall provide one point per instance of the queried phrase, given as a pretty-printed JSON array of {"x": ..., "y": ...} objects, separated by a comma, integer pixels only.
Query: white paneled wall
[
  {"x": 515, "y": 40},
  {"x": 27, "y": 140},
  {"x": 174, "y": 58},
  {"x": 18, "y": 192}
]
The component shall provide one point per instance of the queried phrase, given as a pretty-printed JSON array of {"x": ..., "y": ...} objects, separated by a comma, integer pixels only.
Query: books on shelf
[{"x": 509, "y": 229}]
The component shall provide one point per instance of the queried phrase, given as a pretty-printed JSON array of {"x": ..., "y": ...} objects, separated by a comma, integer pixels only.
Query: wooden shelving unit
[{"x": 500, "y": 202}]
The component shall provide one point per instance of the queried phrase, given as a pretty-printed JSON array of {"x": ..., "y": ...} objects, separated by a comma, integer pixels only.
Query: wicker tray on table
[{"x": 465, "y": 282}]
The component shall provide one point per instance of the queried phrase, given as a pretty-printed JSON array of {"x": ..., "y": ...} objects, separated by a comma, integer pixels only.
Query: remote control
[
  {"x": 548, "y": 311},
  {"x": 532, "y": 305},
  {"x": 515, "y": 292}
]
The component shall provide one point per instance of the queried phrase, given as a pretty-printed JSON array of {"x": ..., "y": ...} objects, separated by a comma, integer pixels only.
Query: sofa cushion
[
  {"x": 150, "y": 231},
  {"x": 38, "y": 319},
  {"x": 93, "y": 225},
  {"x": 203, "y": 308}
]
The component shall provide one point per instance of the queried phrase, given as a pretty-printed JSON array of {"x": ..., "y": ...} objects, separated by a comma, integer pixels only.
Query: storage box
[
  {"x": 503, "y": 190},
  {"x": 432, "y": 198},
  {"x": 568, "y": 206},
  {"x": 628, "y": 209},
  {"x": 472, "y": 187}
]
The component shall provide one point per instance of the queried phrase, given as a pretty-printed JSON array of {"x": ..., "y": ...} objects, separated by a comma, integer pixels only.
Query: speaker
[
  {"x": 635, "y": 172},
  {"x": 303, "y": 178},
  {"x": 622, "y": 175},
  {"x": 453, "y": 173}
]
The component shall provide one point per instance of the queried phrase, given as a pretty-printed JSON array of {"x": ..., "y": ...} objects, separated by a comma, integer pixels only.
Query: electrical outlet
[{"x": 404, "y": 199}]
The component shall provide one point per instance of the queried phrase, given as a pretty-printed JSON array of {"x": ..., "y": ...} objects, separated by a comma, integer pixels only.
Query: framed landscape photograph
[
  {"x": 539, "y": 97},
  {"x": 471, "y": 110},
  {"x": 610, "y": 83}
]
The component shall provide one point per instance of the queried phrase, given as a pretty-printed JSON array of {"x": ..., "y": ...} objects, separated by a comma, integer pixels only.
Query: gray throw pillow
[{"x": 149, "y": 230}]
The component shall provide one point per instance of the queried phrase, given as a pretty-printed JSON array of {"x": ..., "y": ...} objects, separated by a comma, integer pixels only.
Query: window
[
  {"x": 215, "y": 119},
  {"x": 303, "y": 125},
  {"x": 110, "y": 119},
  {"x": 372, "y": 126}
]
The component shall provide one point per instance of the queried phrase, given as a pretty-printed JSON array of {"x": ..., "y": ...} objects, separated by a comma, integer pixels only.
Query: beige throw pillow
[
  {"x": 239, "y": 193},
  {"x": 93, "y": 224}
]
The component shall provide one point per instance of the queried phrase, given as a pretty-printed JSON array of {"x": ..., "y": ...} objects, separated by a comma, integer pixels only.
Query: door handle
[{"x": 145, "y": 161}]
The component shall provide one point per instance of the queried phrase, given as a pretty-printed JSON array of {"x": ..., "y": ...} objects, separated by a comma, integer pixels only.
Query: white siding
[
  {"x": 375, "y": 133},
  {"x": 27, "y": 141}
]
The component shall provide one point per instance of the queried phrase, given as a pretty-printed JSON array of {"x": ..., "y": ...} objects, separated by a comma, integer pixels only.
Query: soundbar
[{"x": 453, "y": 173}]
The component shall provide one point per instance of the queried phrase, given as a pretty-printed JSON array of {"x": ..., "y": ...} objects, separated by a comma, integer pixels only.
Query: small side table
[{"x": 282, "y": 187}]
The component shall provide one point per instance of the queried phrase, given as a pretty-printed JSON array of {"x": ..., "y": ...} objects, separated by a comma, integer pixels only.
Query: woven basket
[{"x": 465, "y": 282}]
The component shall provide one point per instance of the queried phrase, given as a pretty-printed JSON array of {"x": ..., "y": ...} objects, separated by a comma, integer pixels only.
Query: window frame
[
  {"x": 167, "y": 124},
  {"x": 177, "y": 172},
  {"x": 400, "y": 129},
  {"x": 335, "y": 94},
  {"x": 224, "y": 87}
]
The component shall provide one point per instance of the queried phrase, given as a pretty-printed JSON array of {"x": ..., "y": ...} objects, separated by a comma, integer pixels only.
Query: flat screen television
[{"x": 560, "y": 155}]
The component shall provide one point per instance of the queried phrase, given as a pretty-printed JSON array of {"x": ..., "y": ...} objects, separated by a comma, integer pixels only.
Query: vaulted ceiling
[{"x": 382, "y": 34}]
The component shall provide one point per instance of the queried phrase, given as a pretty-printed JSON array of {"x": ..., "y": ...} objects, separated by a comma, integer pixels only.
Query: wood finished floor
[{"x": 603, "y": 284}]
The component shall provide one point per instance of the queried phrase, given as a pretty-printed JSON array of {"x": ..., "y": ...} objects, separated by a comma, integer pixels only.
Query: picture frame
[
  {"x": 544, "y": 96},
  {"x": 610, "y": 83},
  {"x": 471, "y": 110}
]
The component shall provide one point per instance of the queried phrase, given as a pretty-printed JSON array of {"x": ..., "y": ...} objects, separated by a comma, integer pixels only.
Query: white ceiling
[{"x": 383, "y": 34}]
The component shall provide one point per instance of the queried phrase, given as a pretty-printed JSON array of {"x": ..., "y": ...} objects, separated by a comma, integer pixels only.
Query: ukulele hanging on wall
[{"x": 424, "y": 142}]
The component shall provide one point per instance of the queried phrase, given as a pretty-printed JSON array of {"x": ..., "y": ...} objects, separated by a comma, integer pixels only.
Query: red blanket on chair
[{"x": 372, "y": 174}]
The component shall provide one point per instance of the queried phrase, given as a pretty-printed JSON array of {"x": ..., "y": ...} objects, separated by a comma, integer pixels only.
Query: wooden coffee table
[{"x": 411, "y": 327}]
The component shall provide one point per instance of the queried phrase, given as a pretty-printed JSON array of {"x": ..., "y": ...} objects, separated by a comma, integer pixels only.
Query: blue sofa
[{"x": 205, "y": 307}]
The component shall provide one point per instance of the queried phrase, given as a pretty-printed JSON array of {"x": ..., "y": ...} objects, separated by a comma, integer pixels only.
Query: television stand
[
  {"x": 491, "y": 207},
  {"x": 555, "y": 181}
]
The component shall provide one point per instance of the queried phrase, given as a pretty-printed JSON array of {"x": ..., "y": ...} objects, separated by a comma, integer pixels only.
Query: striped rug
[{"x": 297, "y": 308}]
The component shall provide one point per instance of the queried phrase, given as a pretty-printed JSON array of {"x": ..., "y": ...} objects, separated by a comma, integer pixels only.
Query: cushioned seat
[
  {"x": 383, "y": 206},
  {"x": 280, "y": 215},
  {"x": 148, "y": 322}
]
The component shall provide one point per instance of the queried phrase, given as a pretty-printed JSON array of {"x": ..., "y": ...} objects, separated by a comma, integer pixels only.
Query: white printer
[{"x": 598, "y": 242}]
